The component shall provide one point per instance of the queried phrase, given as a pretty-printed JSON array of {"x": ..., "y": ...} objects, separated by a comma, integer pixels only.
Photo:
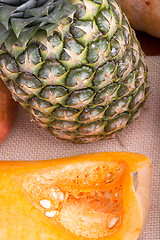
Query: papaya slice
[{"x": 94, "y": 196}]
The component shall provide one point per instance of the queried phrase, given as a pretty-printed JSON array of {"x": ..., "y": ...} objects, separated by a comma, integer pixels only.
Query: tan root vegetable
[
  {"x": 96, "y": 196},
  {"x": 144, "y": 15},
  {"x": 8, "y": 110}
]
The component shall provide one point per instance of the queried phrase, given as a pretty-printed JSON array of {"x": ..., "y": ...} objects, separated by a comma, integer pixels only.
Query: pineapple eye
[
  {"x": 103, "y": 20},
  {"x": 80, "y": 98},
  {"x": 73, "y": 46},
  {"x": 92, "y": 128},
  {"x": 127, "y": 85},
  {"x": 138, "y": 98},
  {"x": 31, "y": 55},
  {"x": 51, "y": 69},
  {"x": 91, "y": 114},
  {"x": 125, "y": 30},
  {"x": 105, "y": 74},
  {"x": 123, "y": 90},
  {"x": 54, "y": 91},
  {"x": 118, "y": 107},
  {"x": 9, "y": 63},
  {"x": 77, "y": 32},
  {"x": 40, "y": 105},
  {"x": 117, "y": 123},
  {"x": 55, "y": 39},
  {"x": 97, "y": 50},
  {"x": 29, "y": 80},
  {"x": 106, "y": 94},
  {"x": 78, "y": 76},
  {"x": 80, "y": 12},
  {"x": 54, "y": 94},
  {"x": 63, "y": 113},
  {"x": 125, "y": 65},
  {"x": 64, "y": 125}
]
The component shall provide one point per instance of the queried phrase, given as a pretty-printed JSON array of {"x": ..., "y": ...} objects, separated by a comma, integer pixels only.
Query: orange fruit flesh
[{"x": 84, "y": 197}]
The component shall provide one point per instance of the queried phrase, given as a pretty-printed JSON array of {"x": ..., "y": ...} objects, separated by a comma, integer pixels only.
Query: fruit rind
[{"x": 86, "y": 80}]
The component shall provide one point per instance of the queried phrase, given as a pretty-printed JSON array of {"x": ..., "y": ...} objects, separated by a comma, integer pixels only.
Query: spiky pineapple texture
[
  {"x": 86, "y": 80},
  {"x": 21, "y": 19}
]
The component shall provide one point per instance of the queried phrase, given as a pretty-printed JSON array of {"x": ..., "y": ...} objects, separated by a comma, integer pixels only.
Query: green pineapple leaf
[
  {"x": 4, "y": 33},
  {"x": 5, "y": 13},
  {"x": 18, "y": 25},
  {"x": 26, "y": 17},
  {"x": 10, "y": 40},
  {"x": 27, "y": 34}
]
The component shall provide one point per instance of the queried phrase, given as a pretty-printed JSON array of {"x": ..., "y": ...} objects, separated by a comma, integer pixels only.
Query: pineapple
[{"x": 77, "y": 66}]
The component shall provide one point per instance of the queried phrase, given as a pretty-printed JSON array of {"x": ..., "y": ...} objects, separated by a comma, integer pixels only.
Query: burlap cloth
[{"x": 29, "y": 142}]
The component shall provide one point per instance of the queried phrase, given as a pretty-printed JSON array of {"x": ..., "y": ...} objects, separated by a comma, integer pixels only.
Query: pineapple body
[{"x": 86, "y": 80}]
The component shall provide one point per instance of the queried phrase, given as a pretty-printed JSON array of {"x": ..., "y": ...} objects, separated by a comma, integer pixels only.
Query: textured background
[{"x": 29, "y": 142}]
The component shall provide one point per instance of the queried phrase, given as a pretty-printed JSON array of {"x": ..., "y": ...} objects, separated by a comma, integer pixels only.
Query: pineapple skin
[{"x": 84, "y": 82}]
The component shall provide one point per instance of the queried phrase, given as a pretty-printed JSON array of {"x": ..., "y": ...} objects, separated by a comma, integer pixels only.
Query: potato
[{"x": 8, "y": 110}]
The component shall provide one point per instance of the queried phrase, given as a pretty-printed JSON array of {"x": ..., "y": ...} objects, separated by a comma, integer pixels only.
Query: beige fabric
[{"x": 27, "y": 141}]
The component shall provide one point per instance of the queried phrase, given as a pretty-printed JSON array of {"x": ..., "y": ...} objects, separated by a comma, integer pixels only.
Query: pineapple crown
[{"x": 21, "y": 19}]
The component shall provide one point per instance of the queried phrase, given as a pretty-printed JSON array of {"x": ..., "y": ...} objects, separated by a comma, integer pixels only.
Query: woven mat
[{"x": 27, "y": 141}]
